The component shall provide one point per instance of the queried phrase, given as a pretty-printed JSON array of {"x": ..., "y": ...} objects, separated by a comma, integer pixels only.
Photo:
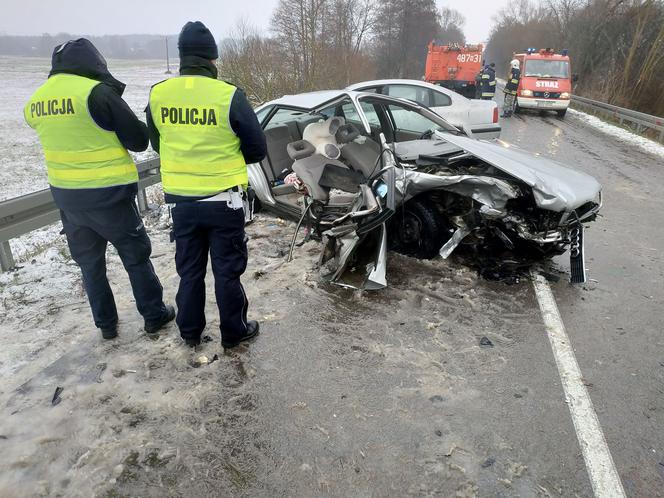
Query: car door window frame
[
  {"x": 278, "y": 108},
  {"x": 393, "y": 128},
  {"x": 336, "y": 102},
  {"x": 267, "y": 109}
]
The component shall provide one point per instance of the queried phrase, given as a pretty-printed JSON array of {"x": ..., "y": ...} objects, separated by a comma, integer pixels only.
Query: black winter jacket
[
  {"x": 513, "y": 81},
  {"x": 242, "y": 118},
  {"x": 488, "y": 81},
  {"x": 109, "y": 111}
]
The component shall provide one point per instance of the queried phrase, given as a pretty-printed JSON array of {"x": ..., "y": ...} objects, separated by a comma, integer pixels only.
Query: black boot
[
  {"x": 154, "y": 327},
  {"x": 192, "y": 343},
  {"x": 109, "y": 332},
  {"x": 252, "y": 331}
]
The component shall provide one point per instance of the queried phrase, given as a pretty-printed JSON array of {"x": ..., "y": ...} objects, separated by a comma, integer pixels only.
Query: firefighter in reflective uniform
[
  {"x": 510, "y": 88},
  {"x": 85, "y": 129},
  {"x": 489, "y": 82},
  {"x": 206, "y": 132}
]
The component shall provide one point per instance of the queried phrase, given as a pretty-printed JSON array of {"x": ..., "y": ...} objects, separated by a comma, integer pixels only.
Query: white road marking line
[{"x": 599, "y": 463}]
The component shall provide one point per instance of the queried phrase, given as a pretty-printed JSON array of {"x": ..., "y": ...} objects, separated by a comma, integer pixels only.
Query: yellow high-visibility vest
[
  {"x": 200, "y": 154},
  {"x": 79, "y": 154}
]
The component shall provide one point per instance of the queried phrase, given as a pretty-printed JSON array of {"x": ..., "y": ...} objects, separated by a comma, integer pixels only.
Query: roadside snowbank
[{"x": 627, "y": 136}]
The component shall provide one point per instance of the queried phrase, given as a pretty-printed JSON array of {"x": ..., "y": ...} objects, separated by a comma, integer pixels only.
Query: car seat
[{"x": 316, "y": 163}]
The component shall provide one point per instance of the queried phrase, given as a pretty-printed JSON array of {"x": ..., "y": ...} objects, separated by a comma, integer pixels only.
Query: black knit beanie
[{"x": 196, "y": 39}]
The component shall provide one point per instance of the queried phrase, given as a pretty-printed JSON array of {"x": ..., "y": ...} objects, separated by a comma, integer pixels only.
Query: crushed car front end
[{"x": 379, "y": 173}]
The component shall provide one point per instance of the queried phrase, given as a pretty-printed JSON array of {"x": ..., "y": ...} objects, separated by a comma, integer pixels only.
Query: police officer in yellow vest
[
  {"x": 206, "y": 133},
  {"x": 85, "y": 129}
]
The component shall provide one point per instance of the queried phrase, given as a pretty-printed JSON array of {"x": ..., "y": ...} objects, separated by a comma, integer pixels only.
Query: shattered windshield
[{"x": 544, "y": 68}]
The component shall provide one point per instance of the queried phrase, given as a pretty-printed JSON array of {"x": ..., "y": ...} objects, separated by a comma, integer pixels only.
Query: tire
[
  {"x": 418, "y": 230},
  {"x": 517, "y": 109},
  {"x": 561, "y": 113}
]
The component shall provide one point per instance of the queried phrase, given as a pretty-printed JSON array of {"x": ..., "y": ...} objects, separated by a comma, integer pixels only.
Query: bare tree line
[
  {"x": 322, "y": 44},
  {"x": 616, "y": 46}
]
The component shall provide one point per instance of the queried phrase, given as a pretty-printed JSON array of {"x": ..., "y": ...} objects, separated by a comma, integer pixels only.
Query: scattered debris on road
[{"x": 56, "y": 396}]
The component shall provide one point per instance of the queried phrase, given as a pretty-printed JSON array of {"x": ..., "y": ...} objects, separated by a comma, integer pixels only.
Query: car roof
[
  {"x": 309, "y": 100},
  {"x": 424, "y": 84}
]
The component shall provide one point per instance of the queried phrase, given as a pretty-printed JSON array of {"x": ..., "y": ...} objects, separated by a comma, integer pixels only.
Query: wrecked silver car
[{"x": 367, "y": 173}]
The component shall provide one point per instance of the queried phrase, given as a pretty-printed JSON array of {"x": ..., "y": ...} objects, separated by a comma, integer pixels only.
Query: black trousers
[
  {"x": 88, "y": 233},
  {"x": 202, "y": 228}
]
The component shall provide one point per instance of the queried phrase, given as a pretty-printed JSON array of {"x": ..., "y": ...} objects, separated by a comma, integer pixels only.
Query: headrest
[
  {"x": 323, "y": 129},
  {"x": 346, "y": 133},
  {"x": 322, "y": 136},
  {"x": 300, "y": 150}
]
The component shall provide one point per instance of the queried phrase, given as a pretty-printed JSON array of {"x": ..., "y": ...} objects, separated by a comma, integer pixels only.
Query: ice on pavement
[
  {"x": 625, "y": 135},
  {"x": 335, "y": 372}
]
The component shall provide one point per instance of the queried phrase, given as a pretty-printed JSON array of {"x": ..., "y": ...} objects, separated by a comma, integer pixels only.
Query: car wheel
[
  {"x": 419, "y": 230},
  {"x": 561, "y": 113},
  {"x": 517, "y": 109}
]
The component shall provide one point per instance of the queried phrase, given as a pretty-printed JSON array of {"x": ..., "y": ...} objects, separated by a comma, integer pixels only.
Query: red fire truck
[
  {"x": 546, "y": 81},
  {"x": 454, "y": 66}
]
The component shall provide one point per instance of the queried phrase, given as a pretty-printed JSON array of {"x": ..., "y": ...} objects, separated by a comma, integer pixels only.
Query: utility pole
[{"x": 168, "y": 64}]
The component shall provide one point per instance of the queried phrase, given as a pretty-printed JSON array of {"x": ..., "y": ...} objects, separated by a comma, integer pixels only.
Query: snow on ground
[
  {"x": 21, "y": 163},
  {"x": 620, "y": 133},
  {"x": 46, "y": 282},
  {"x": 138, "y": 418}
]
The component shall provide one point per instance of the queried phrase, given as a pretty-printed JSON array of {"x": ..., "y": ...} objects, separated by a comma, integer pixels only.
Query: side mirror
[{"x": 575, "y": 78}]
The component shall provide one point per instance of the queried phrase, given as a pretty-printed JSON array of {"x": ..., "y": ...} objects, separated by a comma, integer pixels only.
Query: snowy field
[{"x": 21, "y": 162}]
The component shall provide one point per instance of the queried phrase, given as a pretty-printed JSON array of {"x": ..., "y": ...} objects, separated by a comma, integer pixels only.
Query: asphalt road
[
  {"x": 615, "y": 323},
  {"x": 443, "y": 384}
]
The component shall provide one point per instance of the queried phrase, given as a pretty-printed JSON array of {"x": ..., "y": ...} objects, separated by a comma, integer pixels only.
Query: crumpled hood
[
  {"x": 81, "y": 57},
  {"x": 556, "y": 187}
]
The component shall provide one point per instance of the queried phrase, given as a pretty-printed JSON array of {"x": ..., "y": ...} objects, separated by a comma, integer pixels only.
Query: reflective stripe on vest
[
  {"x": 200, "y": 154},
  {"x": 78, "y": 153}
]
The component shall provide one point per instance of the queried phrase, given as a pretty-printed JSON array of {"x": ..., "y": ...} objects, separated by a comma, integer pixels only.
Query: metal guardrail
[
  {"x": 640, "y": 119},
  {"x": 24, "y": 214}
]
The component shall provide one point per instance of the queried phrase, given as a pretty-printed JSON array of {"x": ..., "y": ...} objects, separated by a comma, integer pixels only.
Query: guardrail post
[
  {"x": 142, "y": 201},
  {"x": 6, "y": 258}
]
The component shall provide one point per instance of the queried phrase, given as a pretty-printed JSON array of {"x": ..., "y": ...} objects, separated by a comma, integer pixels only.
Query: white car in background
[{"x": 479, "y": 117}]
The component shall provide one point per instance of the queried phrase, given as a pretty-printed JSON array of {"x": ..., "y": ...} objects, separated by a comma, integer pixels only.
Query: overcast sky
[{"x": 94, "y": 17}]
